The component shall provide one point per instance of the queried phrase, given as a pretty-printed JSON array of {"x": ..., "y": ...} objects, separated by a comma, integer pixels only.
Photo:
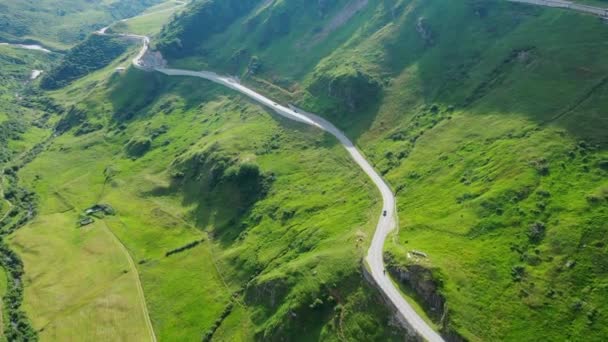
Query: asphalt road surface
[{"x": 386, "y": 223}]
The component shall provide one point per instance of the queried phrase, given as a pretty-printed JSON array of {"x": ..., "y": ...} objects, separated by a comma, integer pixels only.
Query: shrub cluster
[
  {"x": 209, "y": 334},
  {"x": 24, "y": 208},
  {"x": 184, "y": 248}
]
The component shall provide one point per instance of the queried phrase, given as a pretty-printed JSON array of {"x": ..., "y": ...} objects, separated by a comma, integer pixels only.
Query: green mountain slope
[
  {"x": 92, "y": 54},
  {"x": 241, "y": 225},
  {"x": 62, "y": 23},
  {"x": 489, "y": 120}
]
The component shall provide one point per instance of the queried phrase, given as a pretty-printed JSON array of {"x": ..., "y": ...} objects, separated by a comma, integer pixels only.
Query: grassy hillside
[
  {"x": 62, "y": 23},
  {"x": 488, "y": 119},
  {"x": 92, "y": 54},
  {"x": 25, "y": 114},
  {"x": 229, "y": 223},
  {"x": 151, "y": 21},
  {"x": 241, "y": 225}
]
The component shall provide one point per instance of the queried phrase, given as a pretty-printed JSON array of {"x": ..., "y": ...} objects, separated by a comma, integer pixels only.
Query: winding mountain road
[
  {"x": 602, "y": 12},
  {"x": 387, "y": 220},
  {"x": 386, "y": 223}
]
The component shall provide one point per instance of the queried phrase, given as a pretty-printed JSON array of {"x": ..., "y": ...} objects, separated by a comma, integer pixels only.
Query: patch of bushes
[
  {"x": 541, "y": 166},
  {"x": 214, "y": 169},
  {"x": 466, "y": 197},
  {"x": 11, "y": 129},
  {"x": 536, "y": 232},
  {"x": 218, "y": 322},
  {"x": 88, "y": 127},
  {"x": 19, "y": 327},
  {"x": 184, "y": 248},
  {"x": 272, "y": 144},
  {"x": 156, "y": 132},
  {"x": 247, "y": 176},
  {"x": 518, "y": 272}
]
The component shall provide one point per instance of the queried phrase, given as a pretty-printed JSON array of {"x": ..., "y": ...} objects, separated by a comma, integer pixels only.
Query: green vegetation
[
  {"x": 277, "y": 210},
  {"x": 203, "y": 19},
  {"x": 488, "y": 119},
  {"x": 96, "y": 52},
  {"x": 25, "y": 113},
  {"x": 21, "y": 105},
  {"x": 3, "y": 289},
  {"x": 138, "y": 146},
  {"x": 150, "y": 22},
  {"x": 60, "y": 24}
]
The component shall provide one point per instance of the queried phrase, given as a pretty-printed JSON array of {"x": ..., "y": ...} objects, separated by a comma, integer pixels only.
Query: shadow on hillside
[
  {"x": 547, "y": 66},
  {"x": 221, "y": 205},
  {"x": 222, "y": 209},
  {"x": 138, "y": 94}
]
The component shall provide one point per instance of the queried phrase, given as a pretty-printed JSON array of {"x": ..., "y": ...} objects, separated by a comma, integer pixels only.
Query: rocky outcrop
[
  {"x": 351, "y": 88},
  {"x": 153, "y": 59},
  {"x": 427, "y": 290},
  {"x": 398, "y": 320},
  {"x": 421, "y": 281},
  {"x": 268, "y": 293},
  {"x": 425, "y": 32}
]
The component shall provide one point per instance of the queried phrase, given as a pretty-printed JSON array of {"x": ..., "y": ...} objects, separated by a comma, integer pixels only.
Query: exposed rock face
[
  {"x": 154, "y": 59},
  {"x": 427, "y": 288},
  {"x": 267, "y": 293},
  {"x": 351, "y": 88},
  {"x": 423, "y": 28},
  {"x": 266, "y": 297},
  {"x": 420, "y": 279}
]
